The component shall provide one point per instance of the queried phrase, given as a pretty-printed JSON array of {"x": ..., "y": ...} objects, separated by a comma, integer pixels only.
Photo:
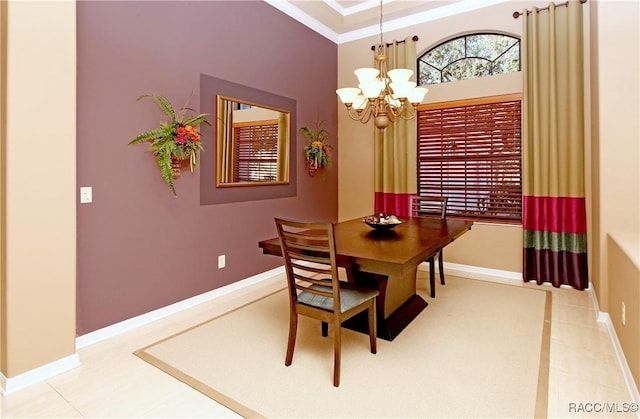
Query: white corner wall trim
[
  {"x": 143, "y": 319},
  {"x": 37, "y": 375}
]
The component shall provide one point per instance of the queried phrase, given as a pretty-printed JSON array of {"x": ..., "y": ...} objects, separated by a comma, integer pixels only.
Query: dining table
[{"x": 388, "y": 260}]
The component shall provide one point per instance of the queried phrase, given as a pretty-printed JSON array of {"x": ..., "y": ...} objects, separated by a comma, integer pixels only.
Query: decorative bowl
[{"x": 382, "y": 221}]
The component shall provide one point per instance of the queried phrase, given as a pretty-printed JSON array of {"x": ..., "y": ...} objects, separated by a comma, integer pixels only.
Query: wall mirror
[
  {"x": 212, "y": 191},
  {"x": 252, "y": 143}
]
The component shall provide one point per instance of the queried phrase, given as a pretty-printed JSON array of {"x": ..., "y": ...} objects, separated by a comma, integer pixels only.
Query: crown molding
[{"x": 415, "y": 19}]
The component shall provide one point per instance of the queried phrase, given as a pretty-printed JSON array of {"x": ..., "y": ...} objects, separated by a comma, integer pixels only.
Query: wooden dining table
[{"x": 388, "y": 261}]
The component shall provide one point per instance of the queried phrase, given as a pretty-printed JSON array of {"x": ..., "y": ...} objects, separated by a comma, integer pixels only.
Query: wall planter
[
  {"x": 174, "y": 141},
  {"x": 317, "y": 149}
]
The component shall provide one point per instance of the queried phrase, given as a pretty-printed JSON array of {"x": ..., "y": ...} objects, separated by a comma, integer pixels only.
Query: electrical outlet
[
  {"x": 221, "y": 261},
  {"x": 86, "y": 195},
  {"x": 623, "y": 314}
]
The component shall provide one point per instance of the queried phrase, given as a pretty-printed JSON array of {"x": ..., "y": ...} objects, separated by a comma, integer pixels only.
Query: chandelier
[{"x": 382, "y": 94}]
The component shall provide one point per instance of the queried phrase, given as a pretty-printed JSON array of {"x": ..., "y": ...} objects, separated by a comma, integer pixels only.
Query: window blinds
[{"x": 470, "y": 152}]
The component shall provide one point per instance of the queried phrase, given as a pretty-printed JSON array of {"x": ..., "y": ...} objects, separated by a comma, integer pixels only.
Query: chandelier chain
[{"x": 381, "y": 41}]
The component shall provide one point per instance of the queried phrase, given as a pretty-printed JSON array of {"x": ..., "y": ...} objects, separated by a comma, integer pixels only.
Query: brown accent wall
[{"x": 139, "y": 247}]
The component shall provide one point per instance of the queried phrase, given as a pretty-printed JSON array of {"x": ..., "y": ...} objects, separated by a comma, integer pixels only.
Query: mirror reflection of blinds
[
  {"x": 470, "y": 152},
  {"x": 256, "y": 151}
]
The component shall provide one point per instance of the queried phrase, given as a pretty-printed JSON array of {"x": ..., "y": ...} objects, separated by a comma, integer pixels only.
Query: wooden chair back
[
  {"x": 310, "y": 259},
  {"x": 428, "y": 206}
]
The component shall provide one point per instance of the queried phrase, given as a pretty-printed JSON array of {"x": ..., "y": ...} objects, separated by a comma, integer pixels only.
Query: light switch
[{"x": 86, "y": 194}]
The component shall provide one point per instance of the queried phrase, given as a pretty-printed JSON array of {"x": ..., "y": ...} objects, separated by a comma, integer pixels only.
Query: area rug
[{"x": 480, "y": 349}]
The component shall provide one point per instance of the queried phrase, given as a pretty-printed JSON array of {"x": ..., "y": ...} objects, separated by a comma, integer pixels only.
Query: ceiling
[{"x": 347, "y": 20}]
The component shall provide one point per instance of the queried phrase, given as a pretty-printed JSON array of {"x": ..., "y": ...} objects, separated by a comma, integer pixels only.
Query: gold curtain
[
  {"x": 225, "y": 142},
  {"x": 395, "y": 146},
  {"x": 283, "y": 147},
  {"x": 554, "y": 209}
]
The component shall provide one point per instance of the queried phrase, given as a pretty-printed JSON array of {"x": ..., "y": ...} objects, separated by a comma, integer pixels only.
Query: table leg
[{"x": 396, "y": 306}]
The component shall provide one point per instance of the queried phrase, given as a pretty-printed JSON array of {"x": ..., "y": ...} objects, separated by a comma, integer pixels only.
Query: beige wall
[
  {"x": 38, "y": 309},
  {"x": 356, "y": 189},
  {"x": 3, "y": 177},
  {"x": 616, "y": 132}
]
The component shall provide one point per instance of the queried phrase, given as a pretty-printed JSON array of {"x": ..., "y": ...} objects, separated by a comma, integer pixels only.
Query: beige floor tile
[
  {"x": 37, "y": 401},
  {"x": 121, "y": 386},
  {"x": 592, "y": 338},
  {"x": 581, "y": 315},
  {"x": 579, "y": 398},
  {"x": 587, "y": 367},
  {"x": 573, "y": 298},
  {"x": 188, "y": 403}
]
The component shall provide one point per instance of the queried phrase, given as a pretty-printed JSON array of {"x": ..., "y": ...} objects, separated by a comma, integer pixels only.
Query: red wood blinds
[
  {"x": 256, "y": 151},
  {"x": 470, "y": 152}
]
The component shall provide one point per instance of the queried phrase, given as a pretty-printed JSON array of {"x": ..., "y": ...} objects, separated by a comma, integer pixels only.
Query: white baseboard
[
  {"x": 37, "y": 375},
  {"x": 605, "y": 319},
  {"x": 476, "y": 272},
  {"x": 144, "y": 319}
]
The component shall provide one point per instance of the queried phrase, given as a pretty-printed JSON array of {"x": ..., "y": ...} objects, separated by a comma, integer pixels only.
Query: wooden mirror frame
[
  {"x": 210, "y": 88},
  {"x": 235, "y": 126}
]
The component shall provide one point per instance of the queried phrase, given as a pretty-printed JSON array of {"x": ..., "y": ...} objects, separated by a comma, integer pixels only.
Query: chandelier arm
[
  {"x": 362, "y": 115},
  {"x": 409, "y": 113},
  {"x": 395, "y": 110}
]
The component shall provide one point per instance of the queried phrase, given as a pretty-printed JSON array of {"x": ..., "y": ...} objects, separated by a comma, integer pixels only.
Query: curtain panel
[
  {"x": 553, "y": 164},
  {"x": 395, "y": 146}
]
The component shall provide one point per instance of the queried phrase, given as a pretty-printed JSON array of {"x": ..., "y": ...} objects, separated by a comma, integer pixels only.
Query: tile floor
[{"x": 585, "y": 378}]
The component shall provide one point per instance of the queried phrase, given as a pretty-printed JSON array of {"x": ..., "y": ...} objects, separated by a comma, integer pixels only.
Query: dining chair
[
  {"x": 431, "y": 206},
  {"x": 315, "y": 291}
]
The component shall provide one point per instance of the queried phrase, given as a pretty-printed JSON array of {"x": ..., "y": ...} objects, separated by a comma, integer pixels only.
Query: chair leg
[
  {"x": 337, "y": 333},
  {"x": 432, "y": 280},
  {"x": 325, "y": 329},
  {"x": 372, "y": 327},
  {"x": 441, "y": 267},
  {"x": 293, "y": 327}
]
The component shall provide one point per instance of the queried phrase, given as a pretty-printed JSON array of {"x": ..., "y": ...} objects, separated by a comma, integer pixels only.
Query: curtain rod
[
  {"x": 414, "y": 39},
  {"x": 518, "y": 14}
]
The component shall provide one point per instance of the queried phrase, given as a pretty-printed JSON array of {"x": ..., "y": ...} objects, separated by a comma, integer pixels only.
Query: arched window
[{"x": 470, "y": 56}]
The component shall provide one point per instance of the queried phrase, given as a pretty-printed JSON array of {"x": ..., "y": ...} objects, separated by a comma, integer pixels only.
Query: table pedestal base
[{"x": 390, "y": 327}]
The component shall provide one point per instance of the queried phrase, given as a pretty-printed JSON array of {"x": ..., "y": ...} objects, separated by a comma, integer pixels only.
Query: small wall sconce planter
[
  {"x": 174, "y": 142},
  {"x": 317, "y": 149}
]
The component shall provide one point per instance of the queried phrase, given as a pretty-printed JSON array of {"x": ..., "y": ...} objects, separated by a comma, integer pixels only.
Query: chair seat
[{"x": 350, "y": 296}]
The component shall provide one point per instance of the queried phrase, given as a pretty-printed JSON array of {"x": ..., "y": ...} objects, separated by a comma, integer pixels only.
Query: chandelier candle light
[{"x": 378, "y": 97}]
